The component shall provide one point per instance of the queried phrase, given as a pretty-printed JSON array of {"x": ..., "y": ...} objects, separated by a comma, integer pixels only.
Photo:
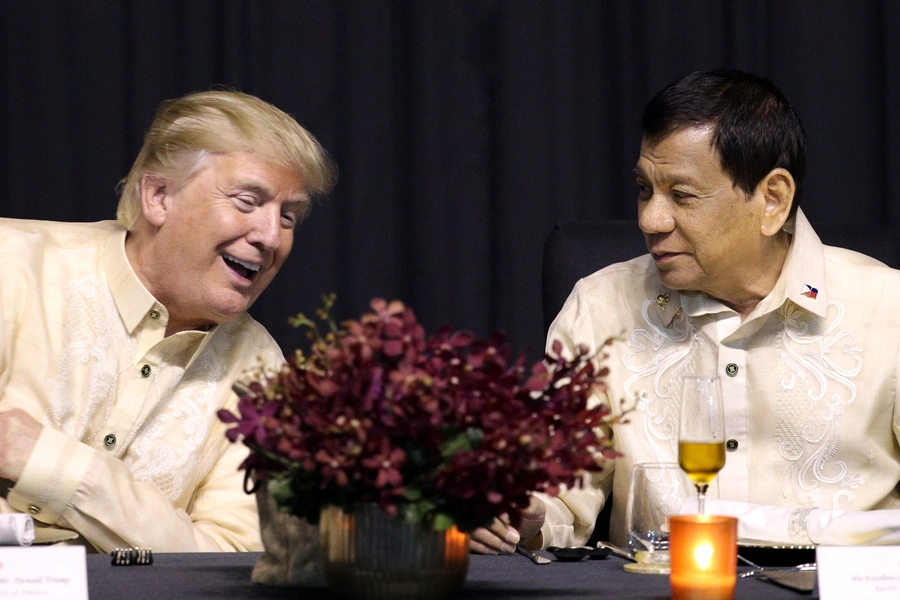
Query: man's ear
[
  {"x": 777, "y": 189},
  {"x": 155, "y": 199}
]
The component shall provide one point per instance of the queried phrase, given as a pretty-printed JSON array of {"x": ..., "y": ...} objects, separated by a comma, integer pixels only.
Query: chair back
[{"x": 576, "y": 249}]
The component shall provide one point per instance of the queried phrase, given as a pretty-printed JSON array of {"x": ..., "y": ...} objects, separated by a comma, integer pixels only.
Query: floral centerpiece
[{"x": 438, "y": 430}]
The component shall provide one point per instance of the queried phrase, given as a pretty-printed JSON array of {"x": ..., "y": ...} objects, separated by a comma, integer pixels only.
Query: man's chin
[
  {"x": 677, "y": 281},
  {"x": 229, "y": 309}
]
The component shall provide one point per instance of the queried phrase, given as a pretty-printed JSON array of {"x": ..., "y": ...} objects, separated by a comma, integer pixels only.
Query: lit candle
[{"x": 703, "y": 550}]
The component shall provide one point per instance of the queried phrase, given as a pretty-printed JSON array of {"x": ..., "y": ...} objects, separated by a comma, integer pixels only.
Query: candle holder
[{"x": 703, "y": 551}]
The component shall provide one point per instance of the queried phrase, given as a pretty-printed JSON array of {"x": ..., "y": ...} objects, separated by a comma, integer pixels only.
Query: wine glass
[
  {"x": 701, "y": 433},
  {"x": 656, "y": 492}
]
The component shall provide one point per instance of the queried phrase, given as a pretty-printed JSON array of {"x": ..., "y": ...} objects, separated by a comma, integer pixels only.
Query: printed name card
[
  {"x": 47, "y": 573},
  {"x": 871, "y": 572}
]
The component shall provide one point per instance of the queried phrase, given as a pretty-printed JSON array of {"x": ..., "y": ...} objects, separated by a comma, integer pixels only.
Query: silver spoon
[
  {"x": 538, "y": 560},
  {"x": 616, "y": 551}
]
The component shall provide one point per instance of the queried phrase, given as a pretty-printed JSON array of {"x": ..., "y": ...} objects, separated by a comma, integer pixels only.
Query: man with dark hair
[{"x": 804, "y": 337}]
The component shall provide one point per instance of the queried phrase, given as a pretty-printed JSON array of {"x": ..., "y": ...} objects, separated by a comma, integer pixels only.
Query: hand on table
[
  {"x": 501, "y": 537},
  {"x": 19, "y": 432}
]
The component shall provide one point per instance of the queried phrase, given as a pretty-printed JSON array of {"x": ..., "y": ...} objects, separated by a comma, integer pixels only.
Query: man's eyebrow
[
  {"x": 254, "y": 188},
  {"x": 670, "y": 178},
  {"x": 265, "y": 193},
  {"x": 298, "y": 203}
]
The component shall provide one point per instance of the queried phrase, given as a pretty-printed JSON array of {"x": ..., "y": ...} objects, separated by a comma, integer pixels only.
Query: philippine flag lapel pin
[{"x": 809, "y": 291}]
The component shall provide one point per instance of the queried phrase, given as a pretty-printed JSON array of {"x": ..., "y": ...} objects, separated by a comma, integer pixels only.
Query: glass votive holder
[{"x": 703, "y": 551}]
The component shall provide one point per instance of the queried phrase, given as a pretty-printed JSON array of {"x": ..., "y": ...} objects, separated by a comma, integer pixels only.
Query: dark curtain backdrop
[{"x": 464, "y": 129}]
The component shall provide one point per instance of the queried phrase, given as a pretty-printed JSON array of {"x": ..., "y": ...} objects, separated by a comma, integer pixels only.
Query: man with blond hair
[{"x": 119, "y": 341}]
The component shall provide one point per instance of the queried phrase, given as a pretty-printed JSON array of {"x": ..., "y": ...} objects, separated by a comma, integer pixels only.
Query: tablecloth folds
[
  {"x": 777, "y": 525},
  {"x": 16, "y": 529}
]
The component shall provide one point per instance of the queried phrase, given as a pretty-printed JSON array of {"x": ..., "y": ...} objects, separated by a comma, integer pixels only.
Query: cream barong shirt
[
  {"x": 809, "y": 381},
  {"x": 132, "y": 453}
]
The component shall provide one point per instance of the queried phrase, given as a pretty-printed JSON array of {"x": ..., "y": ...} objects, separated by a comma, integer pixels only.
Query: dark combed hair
[{"x": 755, "y": 129}]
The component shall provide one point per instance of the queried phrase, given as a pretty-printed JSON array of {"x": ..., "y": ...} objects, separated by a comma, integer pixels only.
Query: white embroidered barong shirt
[
  {"x": 809, "y": 381},
  {"x": 131, "y": 453}
]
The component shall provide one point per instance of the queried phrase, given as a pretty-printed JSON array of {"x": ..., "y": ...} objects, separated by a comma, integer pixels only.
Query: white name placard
[
  {"x": 43, "y": 572},
  {"x": 870, "y": 572}
]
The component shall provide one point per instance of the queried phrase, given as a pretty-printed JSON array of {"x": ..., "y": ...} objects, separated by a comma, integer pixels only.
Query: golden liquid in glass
[{"x": 701, "y": 460}]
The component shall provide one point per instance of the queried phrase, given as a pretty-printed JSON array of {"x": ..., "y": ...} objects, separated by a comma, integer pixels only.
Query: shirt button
[
  {"x": 731, "y": 445},
  {"x": 145, "y": 371},
  {"x": 154, "y": 314},
  {"x": 731, "y": 369},
  {"x": 34, "y": 509},
  {"x": 110, "y": 440}
]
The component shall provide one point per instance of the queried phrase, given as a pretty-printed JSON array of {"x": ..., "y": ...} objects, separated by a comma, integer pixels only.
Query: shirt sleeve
[
  {"x": 72, "y": 485},
  {"x": 571, "y": 516}
]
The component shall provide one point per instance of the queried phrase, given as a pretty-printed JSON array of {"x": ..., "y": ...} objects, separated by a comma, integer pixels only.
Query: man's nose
[
  {"x": 654, "y": 215},
  {"x": 267, "y": 229}
]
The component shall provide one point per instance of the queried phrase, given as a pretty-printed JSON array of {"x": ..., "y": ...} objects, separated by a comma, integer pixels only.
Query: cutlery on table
[
  {"x": 538, "y": 560},
  {"x": 616, "y": 551},
  {"x": 801, "y": 578},
  {"x": 576, "y": 553}
]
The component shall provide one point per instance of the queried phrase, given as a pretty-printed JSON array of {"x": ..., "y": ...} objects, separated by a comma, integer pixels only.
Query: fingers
[
  {"x": 532, "y": 518},
  {"x": 498, "y": 537}
]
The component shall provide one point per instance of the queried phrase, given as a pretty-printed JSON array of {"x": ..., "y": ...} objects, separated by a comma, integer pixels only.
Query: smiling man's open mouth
[{"x": 245, "y": 269}]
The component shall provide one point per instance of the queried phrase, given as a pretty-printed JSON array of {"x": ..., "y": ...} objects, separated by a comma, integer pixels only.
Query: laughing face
[{"x": 217, "y": 241}]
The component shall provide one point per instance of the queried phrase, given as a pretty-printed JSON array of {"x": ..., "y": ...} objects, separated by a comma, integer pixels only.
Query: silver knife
[{"x": 801, "y": 581}]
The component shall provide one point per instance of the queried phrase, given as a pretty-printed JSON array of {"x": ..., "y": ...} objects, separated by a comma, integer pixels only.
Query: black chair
[
  {"x": 578, "y": 248},
  {"x": 572, "y": 251},
  {"x": 872, "y": 240}
]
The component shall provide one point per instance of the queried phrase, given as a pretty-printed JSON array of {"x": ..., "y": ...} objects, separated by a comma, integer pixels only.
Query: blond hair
[{"x": 185, "y": 129}]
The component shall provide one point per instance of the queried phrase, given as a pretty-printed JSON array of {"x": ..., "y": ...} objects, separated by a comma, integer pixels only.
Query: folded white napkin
[
  {"x": 806, "y": 526},
  {"x": 16, "y": 529}
]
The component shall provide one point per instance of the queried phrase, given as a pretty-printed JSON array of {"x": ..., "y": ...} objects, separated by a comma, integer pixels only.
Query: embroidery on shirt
[
  {"x": 166, "y": 450},
  {"x": 178, "y": 444},
  {"x": 821, "y": 360},
  {"x": 93, "y": 341},
  {"x": 660, "y": 358}
]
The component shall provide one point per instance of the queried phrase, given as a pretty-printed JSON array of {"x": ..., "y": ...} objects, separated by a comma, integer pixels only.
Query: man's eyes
[
  {"x": 289, "y": 220},
  {"x": 245, "y": 202},
  {"x": 644, "y": 190},
  {"x": 680, "y": 195}
]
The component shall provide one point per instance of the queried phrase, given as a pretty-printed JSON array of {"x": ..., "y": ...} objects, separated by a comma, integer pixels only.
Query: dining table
[{"x": 176, "y": 576}]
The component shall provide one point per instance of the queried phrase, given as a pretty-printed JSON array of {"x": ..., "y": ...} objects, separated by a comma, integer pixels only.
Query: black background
[{"x": 464, "y": 129}]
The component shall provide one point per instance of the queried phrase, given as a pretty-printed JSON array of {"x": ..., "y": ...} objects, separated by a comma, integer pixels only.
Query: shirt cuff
[{"x": 52, "y": 473}]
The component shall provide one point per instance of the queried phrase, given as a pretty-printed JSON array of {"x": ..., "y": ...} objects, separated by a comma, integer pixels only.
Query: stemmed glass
[{"x": 701, "y": 433}]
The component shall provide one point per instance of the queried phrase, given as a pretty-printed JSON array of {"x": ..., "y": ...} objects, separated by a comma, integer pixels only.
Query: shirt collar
[
  {"x": 802, "y": 281},
  {"x": 668, "y": 304},
  {"x": 132, "y": 298}
]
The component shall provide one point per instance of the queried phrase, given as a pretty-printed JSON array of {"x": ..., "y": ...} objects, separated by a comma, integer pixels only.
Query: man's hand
[
  {"x": 501, "y": 537},
  {"x": 18, "y": 434}
]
